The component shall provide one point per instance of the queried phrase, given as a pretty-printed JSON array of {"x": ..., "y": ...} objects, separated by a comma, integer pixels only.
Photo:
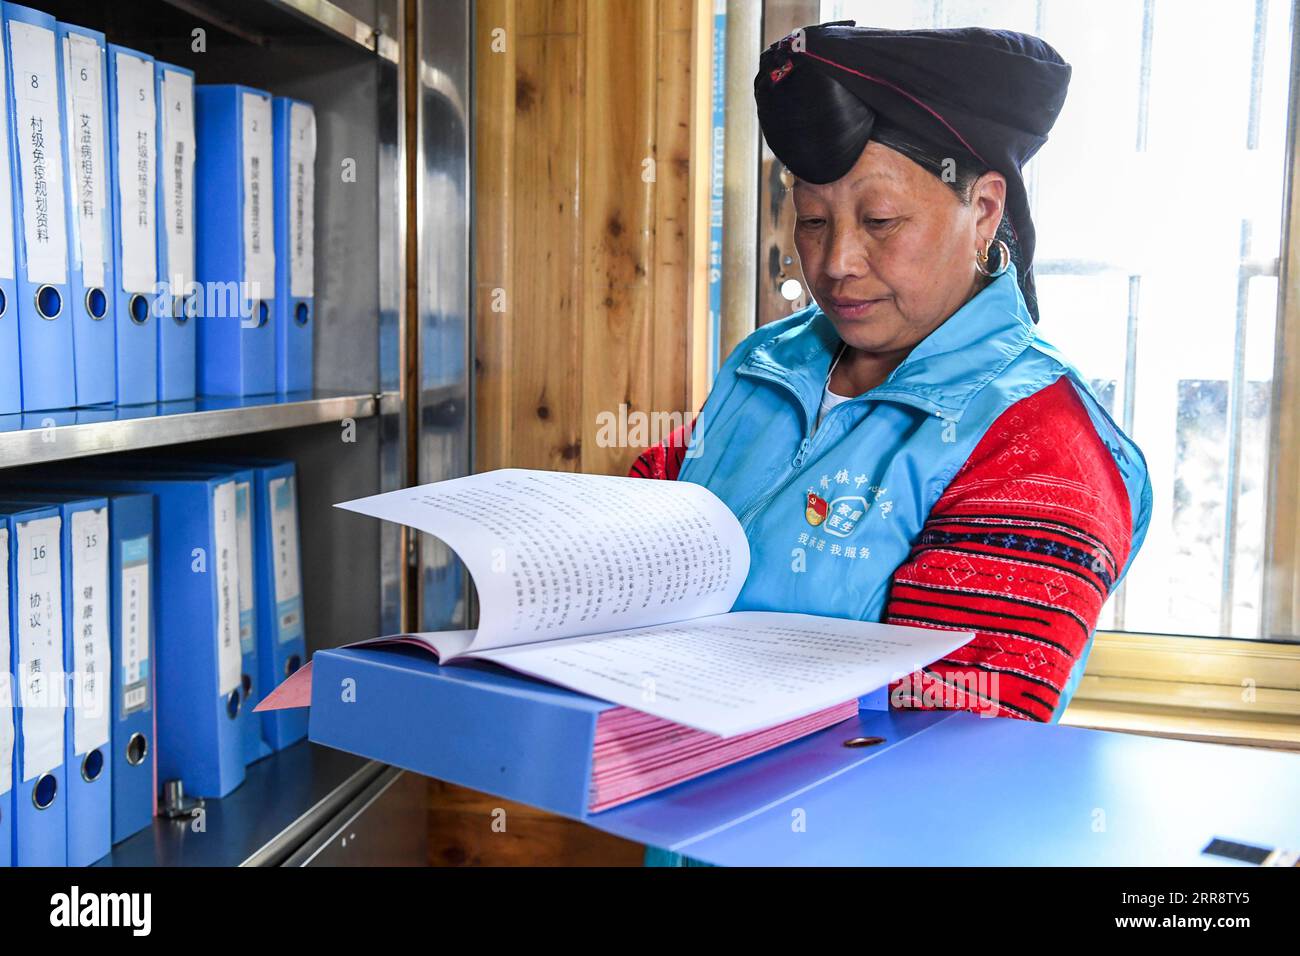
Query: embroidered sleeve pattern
[
  {"x": 664, "y": 460},
  {"x": 1023, "y": 548}
]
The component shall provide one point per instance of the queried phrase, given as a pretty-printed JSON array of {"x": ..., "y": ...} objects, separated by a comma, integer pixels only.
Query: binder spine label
[
  {"x": 302, "y": 197},
  {"x": 244, "y": 517},
  {"x": 6, "y": 692},
  {"x": 40, "y": 645},
  {"x": 226, "y": 562},
  {"x": 7, "y": 270},
  {"x": 178, "y": 178},
  {"x": 83, "y": 69},
  {"x": 288, "y": 583},
  {"x": 259, "y": 199},
  {"x": 135, "y": 625},
  {"x": 136, "y": 165},
  {"x": 40, "y": 151},
  {"x": 90, "y": 641}
]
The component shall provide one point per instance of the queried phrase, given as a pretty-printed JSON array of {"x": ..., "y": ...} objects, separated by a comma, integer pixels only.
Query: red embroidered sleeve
[
  {"x": 1022, "y": 548},
  {"x": 665, "y": 459}
]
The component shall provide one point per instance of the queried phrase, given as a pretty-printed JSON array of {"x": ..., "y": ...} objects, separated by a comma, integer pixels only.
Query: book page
[
  {"x": 557, "y": 555},
  {"x": 734, "y": 673}
]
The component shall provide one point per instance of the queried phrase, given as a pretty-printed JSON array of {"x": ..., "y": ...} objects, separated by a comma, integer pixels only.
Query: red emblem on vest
[{"x": 815, "y": 510}]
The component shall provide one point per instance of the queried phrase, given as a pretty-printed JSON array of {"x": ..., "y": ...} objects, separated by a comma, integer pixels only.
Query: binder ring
[
  {"x": 232, "y": 705},
  {"x": 301, "y": 313},
  {"x": 4, "y": 303},
  {"x": 179, "y": 314},
  {"x": 92, "y": 765},
  {"x": 138, "y": 308},
  {"x": 96, "y": 303},
  {"x": 291, "y": 665},
  {"x": 49, "y": 302},
  {"x": 44, "y": 791},
  {"x": 137, "y": 748}
]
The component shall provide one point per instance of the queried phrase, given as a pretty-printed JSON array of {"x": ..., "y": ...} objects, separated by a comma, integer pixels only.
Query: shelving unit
[
  {"x": 386, "y": 384},
  {"x": 58, "y": 435}
]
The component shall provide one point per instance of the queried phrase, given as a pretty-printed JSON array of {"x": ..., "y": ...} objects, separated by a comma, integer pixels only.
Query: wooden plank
[
  {"x": 546, "y": 17},
  {"x": 494, "y": 169},
  {"x": 671, "y": 309},
  {"x": 618, "y": 107},
  {"x": 467, "y": 828},
  {"x": 699, "y": 374},
  {"x": 544, "y": 294}
]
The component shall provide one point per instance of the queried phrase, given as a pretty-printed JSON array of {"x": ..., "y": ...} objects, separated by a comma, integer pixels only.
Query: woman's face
[{"x": 888, "y": 250}]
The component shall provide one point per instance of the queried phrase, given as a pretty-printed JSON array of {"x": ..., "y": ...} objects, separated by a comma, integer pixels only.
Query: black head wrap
[{"x": 984, "y": 99}]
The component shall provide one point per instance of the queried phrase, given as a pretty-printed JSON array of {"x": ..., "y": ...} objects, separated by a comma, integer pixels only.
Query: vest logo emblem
[
  {"x": 844, "y": 515},
  {"x": 815, "y": 510}
]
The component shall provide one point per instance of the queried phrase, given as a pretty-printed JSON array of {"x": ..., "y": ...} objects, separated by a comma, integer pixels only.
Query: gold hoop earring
[{"x": 982, "y": 259}]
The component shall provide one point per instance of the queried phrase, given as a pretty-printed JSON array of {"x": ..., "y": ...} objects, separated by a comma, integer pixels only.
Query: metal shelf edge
[
  {"x": 336, "y": 20},
  {"x": 60, "y": 442}
]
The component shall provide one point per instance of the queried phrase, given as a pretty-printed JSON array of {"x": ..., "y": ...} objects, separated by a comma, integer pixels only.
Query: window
[{"x": 1159, "y": 204}]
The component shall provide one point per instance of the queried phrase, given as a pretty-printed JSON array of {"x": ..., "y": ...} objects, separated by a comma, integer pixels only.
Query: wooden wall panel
[
  {"x": 590, "y": 217},
  {"x": 618, "y": 109},
  {"x": 494, "y": 170},
  {"x": 545, "y": 290}
]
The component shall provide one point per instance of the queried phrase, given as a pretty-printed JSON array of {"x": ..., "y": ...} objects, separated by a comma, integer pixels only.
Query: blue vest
[{"x": 879, "y": 462}]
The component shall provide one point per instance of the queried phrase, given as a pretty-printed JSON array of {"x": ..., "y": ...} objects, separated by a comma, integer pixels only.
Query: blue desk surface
[
  {"x": 943, "y": 788},
  {"x": 959, "y": 790}
]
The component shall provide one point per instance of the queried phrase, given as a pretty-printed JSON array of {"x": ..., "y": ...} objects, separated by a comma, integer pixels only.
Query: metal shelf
[
  {"x": 329, "y": 17},
  {"x": 36, "y": 437},
  {"x": 283, "y": 801},
  {"x": 256, "y": 21}
]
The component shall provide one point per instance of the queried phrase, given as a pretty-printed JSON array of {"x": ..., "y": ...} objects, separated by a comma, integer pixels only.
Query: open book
[{"x": 622, "y": 588}]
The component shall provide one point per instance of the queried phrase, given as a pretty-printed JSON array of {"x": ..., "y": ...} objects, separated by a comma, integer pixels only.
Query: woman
[{"x": 908, "y": 449}]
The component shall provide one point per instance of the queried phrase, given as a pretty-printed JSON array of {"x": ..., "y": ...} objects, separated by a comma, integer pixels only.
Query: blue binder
[
  {"x": 198, "y": 677},
  {"x": 482, "y": 727},
  {"x": 248, "y": 520},
  {"x": 7, "y": 767},
  {"x": 39, "y": 820},
  {"x": 85, "y": 110},
  {"x": 11, "y": 383},
  {"x": 282, "y": 642},
  {"x": 235, "y": 196},
  {"x": 281, "y": 631},
  {"x": 133, "y": 165},
  {"x": 295, "y": 236},
  {"x": 131, "y": 532},
  {"x": 41, "y": 221},
  {"x": 85, "y": 550},
  {"x": 177, "y": 303}
]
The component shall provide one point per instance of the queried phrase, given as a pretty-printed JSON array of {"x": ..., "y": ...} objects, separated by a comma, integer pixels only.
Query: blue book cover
[
  {"x": 36, "y": 172},
  {"x": 39, "y": 820},
  {"x": 133, "y": 167},
  {"x": 235, "y": 196},
  {"x": 85, "y": 550},
  {"x": 295, "y": 235},
  {"x": 85, "y": 110},
  {"x": 179, "y": 295},
  {"x": 11, "y": 383}
]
